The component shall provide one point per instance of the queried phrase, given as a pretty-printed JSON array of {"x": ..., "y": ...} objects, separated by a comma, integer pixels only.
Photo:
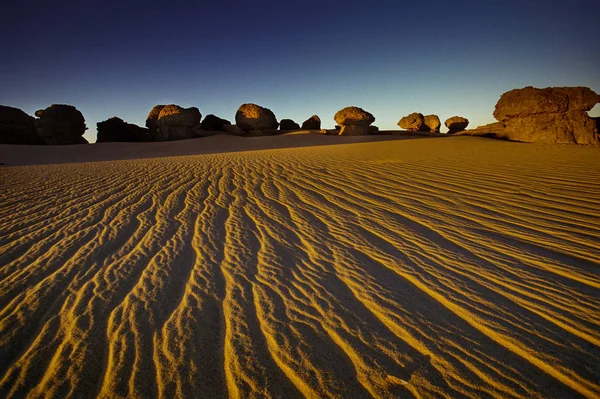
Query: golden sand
[{"x": 458, "y": 267}]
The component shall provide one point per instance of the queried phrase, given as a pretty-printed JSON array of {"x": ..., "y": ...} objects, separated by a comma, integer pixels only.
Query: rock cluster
[
  {"x": 177, "y": 123},
  {"x": 61, "y": 124},
  {"x": 354, "y": 121},
  {"x": 312, "y": 123},
  {"x": 288, "y": 124},
  {"x": 115, "y": 129},
  {"x": 417, "y": 122},
  {"x": 456, "y": 124},
  {"x": 250, "y": 117},
  {"x": 550, "y": 115},
  {"x": 214, "y": 123},
  {"x": 16, "y": 127}
]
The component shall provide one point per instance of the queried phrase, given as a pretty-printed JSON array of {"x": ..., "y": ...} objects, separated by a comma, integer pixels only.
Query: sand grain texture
[{"x": 458, "y": 267}]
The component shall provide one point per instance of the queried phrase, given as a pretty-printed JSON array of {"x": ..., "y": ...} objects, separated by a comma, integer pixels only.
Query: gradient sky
[{"x": 297, "y": 58}]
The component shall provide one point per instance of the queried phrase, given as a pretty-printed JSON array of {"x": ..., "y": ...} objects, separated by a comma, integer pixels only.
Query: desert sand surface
[
  {"x": 429, "y": 268},
  {"x": 12, "y": 155}
]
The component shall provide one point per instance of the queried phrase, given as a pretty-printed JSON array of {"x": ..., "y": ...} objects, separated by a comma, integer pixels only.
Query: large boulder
[
  {"x": 312, "y": 123},
  {"x": 288, "y": 124},
  {"x": 152, "y": 119},
  {"x": 16, "y": 127},
  {"x": 177, "y": 123},
  {"x": 456, "y": 124},
  {"x": 433, "y": 123},
  {"x": 414, "y": 121},
  {"x": 250, "y": 117},
  {"x": 214, "y": 123},
  {"x": 115, "y": 129},
  {"x": 353, "y": 116},
  {"x": 61, "y": 124},
  {"x": 550, "y": 115}
]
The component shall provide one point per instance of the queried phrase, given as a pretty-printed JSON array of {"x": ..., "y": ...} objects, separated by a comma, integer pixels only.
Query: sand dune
[{"x": 459, "y": 267}]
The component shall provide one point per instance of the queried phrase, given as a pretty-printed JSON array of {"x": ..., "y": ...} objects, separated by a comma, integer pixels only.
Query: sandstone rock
[
  {"x": 551, "y": 115},
  {"x": 433, "y": 123},
  {"x": 254, "y": 117},
  {"x": 16, "y": 127},
  {"x": 152, "y": 119},
  {"x": 61, "y": 124},
  {"x": 288, "y": 124},
  {"x": 177, "y": 123},
  {"x": 212, "y": 122},
  {"x": 414, "y": 121},
  {"x": 312, "y": 123},
  {"x": 353, "y": 116},
  {"x": 233, "y": 129},
  {"x": 493, "y": 130},
  {"x": 456, "y": 124},
  {"x": 116, "y": 130}
]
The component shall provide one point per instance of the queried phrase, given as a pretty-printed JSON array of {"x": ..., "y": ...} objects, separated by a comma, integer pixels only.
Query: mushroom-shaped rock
[
  {"x": 61, "y": 124},
  {"x": 550, "y": 115},
  {"x": 16, "y": 127},
  {"x": 288, "y": 124},
  {"x": 456, "y": 124},
  {"x": 353, "y": 116},
  {"x": 312, "y": 123},
  {"x": 115, "y": 129},
  {"x": 251, "y": 117},
  {"x": 177, "y": 123},
  {"x": 433, "y": 123},
  {"x": 214, "y": 123},
  {"x": 414, "y": 121}
]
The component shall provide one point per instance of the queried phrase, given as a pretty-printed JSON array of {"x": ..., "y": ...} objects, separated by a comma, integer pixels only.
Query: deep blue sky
[{"x": 297, "y": 58}]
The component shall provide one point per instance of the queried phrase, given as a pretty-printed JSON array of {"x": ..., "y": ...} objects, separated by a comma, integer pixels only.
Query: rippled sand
[{"x": 459, "y": 267}]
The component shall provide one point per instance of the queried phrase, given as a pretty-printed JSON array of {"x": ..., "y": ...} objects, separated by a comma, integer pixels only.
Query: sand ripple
[{"x": 418, "y": 268}]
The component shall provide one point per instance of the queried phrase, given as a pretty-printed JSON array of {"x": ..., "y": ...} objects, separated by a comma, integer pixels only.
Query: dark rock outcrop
[
  {"x": 551, "y": 115},
  {"x": 456, "y": 124},
  {"x": 414, "y": 121},
  {"x": 177, "y": 123},
  {"x": 16, "y": 127},
  {"x": 354, "y": 121},
  {"x": 61, "y": 124},
  {"x": 116, "y": 130},
  {"x": 433, "y": 123},
  {"x": 312, "y": 123},
  {"x": 250, "y": 117},
  {"x": 152, "y": 119},
  {"x": 214, "y": 123},
  {"x": 494, "y": 130},
  {"x": 288, "y": 124}
]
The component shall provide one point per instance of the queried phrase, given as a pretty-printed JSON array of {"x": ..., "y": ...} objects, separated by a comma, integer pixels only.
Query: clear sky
[{"x": 297, "y": 58}]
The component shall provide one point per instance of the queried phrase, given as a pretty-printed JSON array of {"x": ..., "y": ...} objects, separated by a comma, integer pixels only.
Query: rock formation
[
  {"x": 494, "y": 130},
  {"x": 312, "y": 123},
  {"x": 251, "y": 117},
  {"x": 214, "y": 123},
  {"x": 550, "y": 115},
  {"x": 414, "y": 121},
  {"x": 177, "y": 123},
  {"x": 433, "y": 123},
  {"x": 152, "y": 120},
  {"x": 456, "y": 124},
  {"x": 61, "y": 124},
  {"x": 16, "y": 127},
  {"x": 354, "y": 121},
  {"x": 115, "y": 129},
  {"x": 288, "y": 124}
]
